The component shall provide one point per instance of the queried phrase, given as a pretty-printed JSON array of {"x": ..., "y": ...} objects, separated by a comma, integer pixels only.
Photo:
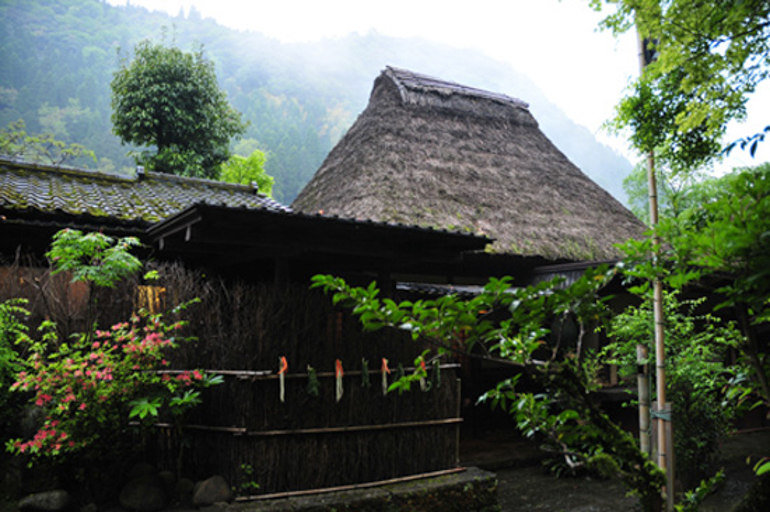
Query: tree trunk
[{"x": 638, "y": 471}]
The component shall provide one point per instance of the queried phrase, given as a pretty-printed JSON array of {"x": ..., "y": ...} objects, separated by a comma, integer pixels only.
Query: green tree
[
  {"x": 248, "y": 170},
  {"x": 16, "y": 142},
  {"x": 677, "y": 191},
  {"x": 709, "y": 57},
  {"x": 170, "y": 99},
  {"x": 721, "y": 246},
  {"x": 698, "y": 381},
  {"x": 727, "y": 238},
  {"x": 526, "y": 328}
]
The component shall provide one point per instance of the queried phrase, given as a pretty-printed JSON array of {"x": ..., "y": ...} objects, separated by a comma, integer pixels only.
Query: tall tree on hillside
[
  {"x": 41, "y": 148},
  {"x": 170, "y": 99},
  {"x": 709, "y": 57}
]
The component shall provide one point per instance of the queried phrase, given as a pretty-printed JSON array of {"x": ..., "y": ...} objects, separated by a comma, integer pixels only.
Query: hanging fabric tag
[
  {"x": 385, "y": 371},
  {"x": 312, "y": 381},
  {"x": 423, "y": 373},
  {"x": 365, "y": 374},
  {"x": 436, "y": 374},
  {"x": 284, "y": 366},
  {"x": 338, "y": 373}
]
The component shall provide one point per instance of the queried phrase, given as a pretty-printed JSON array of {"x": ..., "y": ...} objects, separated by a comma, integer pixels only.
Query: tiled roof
[{"x": 148, "y": 197}]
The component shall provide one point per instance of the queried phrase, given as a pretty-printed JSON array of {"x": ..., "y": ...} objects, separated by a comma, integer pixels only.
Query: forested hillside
[{"x": 57, "y": 58}]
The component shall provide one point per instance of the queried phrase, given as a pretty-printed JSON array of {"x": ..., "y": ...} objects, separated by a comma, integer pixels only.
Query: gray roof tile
[{"x": 148, "y": 198}]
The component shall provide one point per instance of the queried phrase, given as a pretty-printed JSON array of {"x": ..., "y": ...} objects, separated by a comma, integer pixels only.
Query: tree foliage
[
  {"x": 43, "y": 148},
  {"x": 721, "y": 245},
  {"x": 677, "y": 191},
  {"x": 697, "y": 380},
  {"x": 709, "y": 57},
  {"x": 12, "y": 327},
  {"x": 248, "y": 170},
  {"x": 170, "y": 99}
]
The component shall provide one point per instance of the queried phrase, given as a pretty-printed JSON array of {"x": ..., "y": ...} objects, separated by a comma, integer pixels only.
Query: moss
[{"x": 586, "y": 250}]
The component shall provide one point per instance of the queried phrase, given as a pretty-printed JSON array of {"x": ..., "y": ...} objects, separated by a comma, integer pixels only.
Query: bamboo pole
[
  {"x": 270, "y": 374},
  {"x": 658, "y": 315},
  {"x": 642, "y": 378},
  {"x": 643, "y": 387},
  {"x": 458, "y": 413},
  {"x": 660, "y": 346},
  {"x": 350, "y": 487},
  {"x": 242, "y": 431}
]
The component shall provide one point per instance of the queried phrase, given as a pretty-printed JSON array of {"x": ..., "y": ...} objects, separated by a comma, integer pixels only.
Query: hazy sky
[{"x": 556, "y": 43}]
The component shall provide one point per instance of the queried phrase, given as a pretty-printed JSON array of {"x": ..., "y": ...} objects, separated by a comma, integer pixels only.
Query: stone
[
  {"x": 219, "y": 507},
  {"x": 185, "y": 486},
  {"x": 168, "y": 478},
  {"x": 32, "y": 418},
  {"x": 212, "y": 490},
  {"x": 46, "y": 501},
  {"x": 184, "y": 491},
  {"x": 140, "y": 469},
  {"x": 144, "y": 494}
]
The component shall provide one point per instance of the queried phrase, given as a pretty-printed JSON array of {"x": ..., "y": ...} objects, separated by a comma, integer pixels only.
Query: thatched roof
[{"x": 436, "y": 153}]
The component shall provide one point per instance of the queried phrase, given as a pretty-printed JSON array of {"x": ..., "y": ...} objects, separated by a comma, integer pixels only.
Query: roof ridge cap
[
  {"x": 464, "y": 90},
  {"x": 202, "y": 181},
  {"x": 96, "y": 174},
  {"x": 62, "y": 169}
]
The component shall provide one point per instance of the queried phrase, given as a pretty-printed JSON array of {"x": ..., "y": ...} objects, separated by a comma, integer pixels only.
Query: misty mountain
[{"x": 57, "y": 58}]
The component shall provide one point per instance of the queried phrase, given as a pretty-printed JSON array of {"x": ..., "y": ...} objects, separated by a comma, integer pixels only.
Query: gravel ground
[
  {"x": 524, "y": 485},
  {"x": 531, "y": 489}
]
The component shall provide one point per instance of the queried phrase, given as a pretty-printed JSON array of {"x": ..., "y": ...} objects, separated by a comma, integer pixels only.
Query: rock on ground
[
  {"x": 49, "y": 501},
  {"x": 144, "y": 494},
  {"x": 210, "y": 491}
]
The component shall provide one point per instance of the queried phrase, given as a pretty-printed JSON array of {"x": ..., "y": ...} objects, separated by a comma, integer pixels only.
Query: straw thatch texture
[{"x": 439, "y": 154}]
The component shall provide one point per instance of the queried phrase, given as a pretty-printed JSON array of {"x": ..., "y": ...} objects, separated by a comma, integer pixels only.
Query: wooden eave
[
  {"x": 33, "y": 229},
  {"x": 221, "y": 237}
]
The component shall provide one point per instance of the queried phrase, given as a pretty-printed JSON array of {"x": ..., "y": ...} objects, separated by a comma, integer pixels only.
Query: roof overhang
[
  {"x": 33, "y": 230},
  {"x": 221, "y": 237}
]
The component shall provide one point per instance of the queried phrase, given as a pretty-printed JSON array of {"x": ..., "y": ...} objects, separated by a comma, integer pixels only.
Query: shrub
[
  {"x": 697, "y": 378},
  {"x": 91, "y": 384}
]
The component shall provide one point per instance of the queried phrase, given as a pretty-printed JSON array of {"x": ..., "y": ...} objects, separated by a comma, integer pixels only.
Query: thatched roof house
[{"x": 440, "y": 154}]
